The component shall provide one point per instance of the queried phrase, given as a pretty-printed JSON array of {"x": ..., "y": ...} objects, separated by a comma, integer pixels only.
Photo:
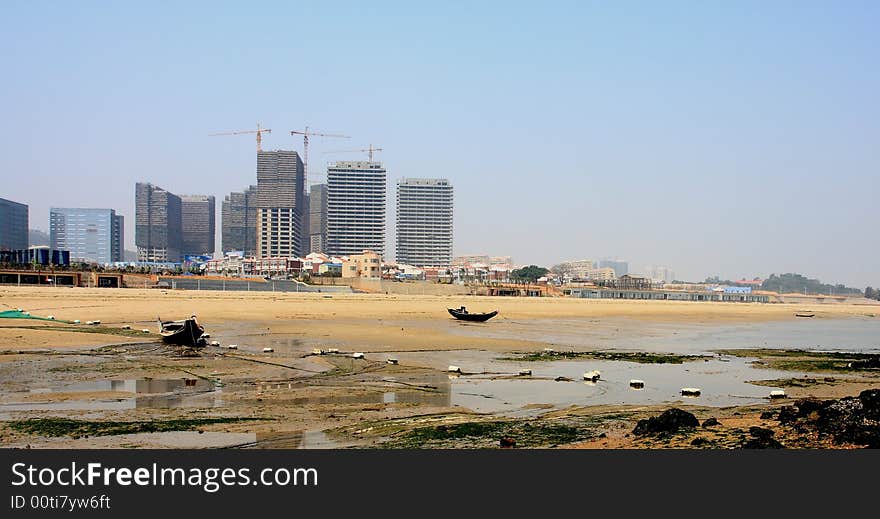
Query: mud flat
[{"x": 113, "y": 385}]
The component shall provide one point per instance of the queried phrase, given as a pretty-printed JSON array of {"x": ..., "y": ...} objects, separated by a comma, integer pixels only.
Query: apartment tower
[
  {"x": 424, "y": 222},
  {"x": 355, "y": 208}
]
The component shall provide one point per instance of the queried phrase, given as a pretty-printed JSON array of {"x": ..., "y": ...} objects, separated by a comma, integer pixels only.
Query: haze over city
[{"x": 731, "y": 140}]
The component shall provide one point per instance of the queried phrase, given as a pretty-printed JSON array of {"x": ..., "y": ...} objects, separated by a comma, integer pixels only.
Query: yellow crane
[
  {"x": 306, "y": 133},
  {"x": 368, "y": 150},
  {"x": 259, "y": 131}
]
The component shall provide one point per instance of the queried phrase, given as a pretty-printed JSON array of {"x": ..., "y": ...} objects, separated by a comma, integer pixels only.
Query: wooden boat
[
  {"x": 804, "y": 315},
  {"x": 464, "y": 315},
  {"x": 187, "y": 332}
]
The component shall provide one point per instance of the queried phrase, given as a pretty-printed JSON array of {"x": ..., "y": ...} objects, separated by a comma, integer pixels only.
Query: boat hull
[
  {"x": 466, "y": 316},
  {"x": 182, "y": 333}
]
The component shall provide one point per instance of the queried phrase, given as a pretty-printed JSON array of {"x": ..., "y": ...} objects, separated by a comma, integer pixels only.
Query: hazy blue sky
[{"x": 730, "y": 138}]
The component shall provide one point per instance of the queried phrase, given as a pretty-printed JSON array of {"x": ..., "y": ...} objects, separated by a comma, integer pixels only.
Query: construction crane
[
  {"x": 259, "y": 131},
  {"x": 369, "y": 151},
  {"x": 306, "y": 134}
]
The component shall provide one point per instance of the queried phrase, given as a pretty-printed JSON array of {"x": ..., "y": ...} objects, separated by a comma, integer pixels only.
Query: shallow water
[
  {"x": 133, "y": 394},
  {"x": 850, "y": 334}
]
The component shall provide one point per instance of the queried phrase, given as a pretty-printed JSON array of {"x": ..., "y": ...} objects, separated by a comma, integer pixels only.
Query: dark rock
[
  {"x": 562, "y": 379},
  {"x": 696, "y": 442},
  {"x": 709, "y": 422},
  {"x": 788, "y": 414},
  {"x": 507, "y": 443},
  {"x": 767, "y": 415},
  {"x": 670, "y": 421},
  {"x": 761, "y": 433},
  {"x": 761, "y": 438},
  {"x": 760, "y": 443},
  {"x": 603, "y": 435},
  {"x": 870, "y": 399}
]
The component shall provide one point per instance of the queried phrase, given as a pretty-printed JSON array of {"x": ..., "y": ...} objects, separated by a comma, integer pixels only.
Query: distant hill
[
  {"x": 797, "y": 283},
  {"x": 37, "y": 238}
]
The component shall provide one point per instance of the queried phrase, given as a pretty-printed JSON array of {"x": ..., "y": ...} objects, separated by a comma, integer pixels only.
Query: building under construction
[
  {"x": 197, "y": 225},
  {"x": 158, "y": 234},
  {"x": 281, "y": 218},
  {"x": 239, "y": 222}
]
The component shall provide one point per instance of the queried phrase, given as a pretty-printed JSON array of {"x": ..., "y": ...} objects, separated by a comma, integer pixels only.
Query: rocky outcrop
[
  {"x": 670, "y": 421},
  {"x": 850, "y": 420}
]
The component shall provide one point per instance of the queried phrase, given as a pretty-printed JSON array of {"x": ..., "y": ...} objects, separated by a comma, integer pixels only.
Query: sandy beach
[{"x": 290, "y": 397}]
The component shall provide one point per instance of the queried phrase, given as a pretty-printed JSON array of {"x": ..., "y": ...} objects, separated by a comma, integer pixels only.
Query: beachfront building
[
  {"x": 13, "y": 225},
  {"x": 91, "y": 235},
  {"x": 664, "y": 295},
  {"x": 318, "y": 218},
  {"x": 157, "y": 216},
  {"x": 281, "y": 223},
  {"x": 355, "y": 208},
  {"x": 601, "y": 274},
  {"x": 238, "y": 216},
  {"x": 368, "y": 264},
  {"x": 424, "y": 222}
]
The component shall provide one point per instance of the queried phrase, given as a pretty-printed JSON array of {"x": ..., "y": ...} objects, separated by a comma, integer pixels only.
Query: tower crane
[
  {"x": 306, "y": 133},
  {"x": 368, "y": 150},
  {"x": 259, "y": 131}
]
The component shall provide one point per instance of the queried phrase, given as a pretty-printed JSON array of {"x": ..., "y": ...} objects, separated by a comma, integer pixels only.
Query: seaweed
[{"x": 54, "y": 427}]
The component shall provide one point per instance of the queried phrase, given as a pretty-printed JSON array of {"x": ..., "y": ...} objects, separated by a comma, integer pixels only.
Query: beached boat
[
  {"x": 464, "y": 315},
  {"x": 187, "y": 332},
  {"x": 804, "y": 315}
]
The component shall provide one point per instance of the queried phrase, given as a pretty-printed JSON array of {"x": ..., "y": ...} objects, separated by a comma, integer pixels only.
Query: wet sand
[{"x": 296, "y": 399}]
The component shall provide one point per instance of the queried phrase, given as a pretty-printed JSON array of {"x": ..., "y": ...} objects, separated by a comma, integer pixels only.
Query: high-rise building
[
  {"x": 424, "y": 222},
  {"x": 13, "y": 225},
  {"x": 659, "y": 274},
  {"x": 355, "y": 208},
  {"x": 239, "y": 222},
  {"x": 157, "y": 218},
  {"x": 620, "y": 267},
  {"x": 318, "y": 218},
  {"x": 281, "y": 224},
  {"x": 197, "y": 214},
  {"x": 91, "y": 235}
]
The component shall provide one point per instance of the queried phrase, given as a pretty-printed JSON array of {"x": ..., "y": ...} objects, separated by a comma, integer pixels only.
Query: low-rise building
[{"x": 365, "y": 265}]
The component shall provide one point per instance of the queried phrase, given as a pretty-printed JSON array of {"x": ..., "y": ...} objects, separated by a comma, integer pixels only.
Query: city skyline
[{"x": 730, "y": 140}]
